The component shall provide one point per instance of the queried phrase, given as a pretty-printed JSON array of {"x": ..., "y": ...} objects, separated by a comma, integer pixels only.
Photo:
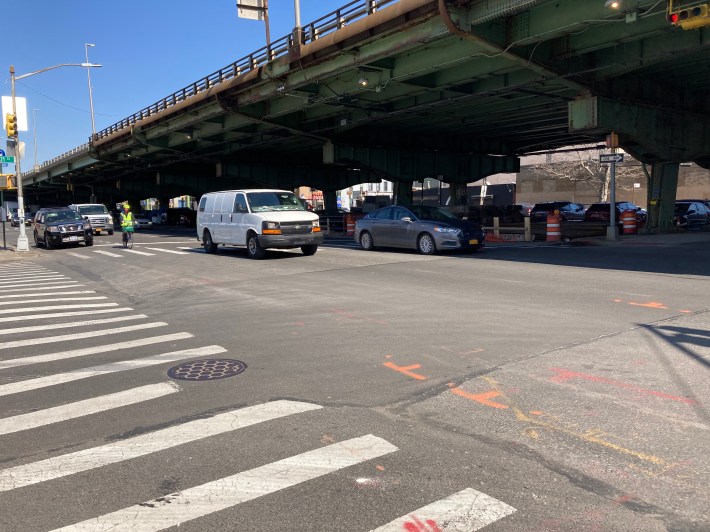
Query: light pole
[
  {"x": 34, "y": 126},
  {"x": 91, "y": 98},
  {"x": 22, "y": 243}
]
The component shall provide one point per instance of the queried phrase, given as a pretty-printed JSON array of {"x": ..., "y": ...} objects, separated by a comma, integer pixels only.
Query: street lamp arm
[{"x": 86, "y": 65}]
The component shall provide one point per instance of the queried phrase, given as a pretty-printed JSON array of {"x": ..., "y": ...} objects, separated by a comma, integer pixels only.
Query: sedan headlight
[
  {"x": 53, "y": 229},
  {"x": 453, "y": 230}
]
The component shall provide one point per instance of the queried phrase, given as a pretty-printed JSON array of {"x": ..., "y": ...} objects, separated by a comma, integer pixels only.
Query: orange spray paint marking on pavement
[
  {"x": 566, "y": 374},
  {"x": 405, "y": 370},
  {"x": 650, "y": 304},
  {"x": 483, "y": 398}
]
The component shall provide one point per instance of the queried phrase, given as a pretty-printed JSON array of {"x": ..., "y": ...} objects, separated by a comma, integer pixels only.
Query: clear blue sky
[{"x": 148, "y": 49}]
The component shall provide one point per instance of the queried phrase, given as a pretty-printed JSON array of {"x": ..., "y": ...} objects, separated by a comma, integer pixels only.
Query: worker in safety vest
[{"x": 127, "y": 221}]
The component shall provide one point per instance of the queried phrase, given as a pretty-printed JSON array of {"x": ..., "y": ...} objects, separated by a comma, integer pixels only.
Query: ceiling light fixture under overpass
[{"x": 613, "y": 4}]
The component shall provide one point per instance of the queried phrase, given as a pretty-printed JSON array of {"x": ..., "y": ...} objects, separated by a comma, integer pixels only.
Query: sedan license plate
[
  {"x": 71, "y": 238},
  {"x": 473, "y": 242},
  {"x": 98, "y": 231}
]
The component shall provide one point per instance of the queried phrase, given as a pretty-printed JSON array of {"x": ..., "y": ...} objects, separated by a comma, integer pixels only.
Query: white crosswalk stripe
[
  {"x": 63, "y": 355},
  {"x": 465, "y": 511},
  {"x": 32, "y": 277},
  {"x": 72, "y": 463},
  {"x": 54, "y": 299},
  {"x": 139, "y": 252},
  {"x": 84, "y": 408},
  {"x": 85, "y": 373},
  {"x": 107, "y": 253},
  {"x": 76, "y": 336},
  {"x": 62, "y": 284},
  {"x": 56, "y": 307},
  {"x": 199, "y": 501},
  {"x": 71, "y": 292},
  {"x": 64, "y": 314},
  {"x": 54, "y": 279},
  {"x": 168, "y": 251}
]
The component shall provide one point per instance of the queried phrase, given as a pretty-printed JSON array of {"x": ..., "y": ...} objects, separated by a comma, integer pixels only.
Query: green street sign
[{"x": 7, "y": 159}]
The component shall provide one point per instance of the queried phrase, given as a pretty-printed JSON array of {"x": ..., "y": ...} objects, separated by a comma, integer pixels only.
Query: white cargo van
[
  {"x": 97, "y": 214},
  {"x": 257, "y": 219}
]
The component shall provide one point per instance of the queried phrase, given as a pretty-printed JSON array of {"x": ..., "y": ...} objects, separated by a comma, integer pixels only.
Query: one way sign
[{"x": 611, "y": 157}]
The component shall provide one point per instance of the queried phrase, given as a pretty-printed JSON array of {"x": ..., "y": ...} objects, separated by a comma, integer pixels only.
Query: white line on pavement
[
  {"x": 45, "y": 281},
  {"x": 63, "y": 284},
  {"x": 148, "y": 243},
  {"x": 20, "y": 268},
  {"x": 76, "y": 336},
  {"x": 180, "y": 507},
  {"x": 25, "y": 310},
  {"x": 144, "y": 444},
  {"x": 29, "y": 317},
  {"x": 51, "y": 299},
  {"x": 95, "y": 371},
  {"x": 57, "y": 414},
  {"x": 78, "y": 255},
  {"x": 465, "y": 511},
  {"x": 32, "y": 277},
  {"x": 43, "y": 286},
  {"x": 196, "y": 248},
  {"x": 107, "y": 253},
  {"x": 139, "y": 252},
  {"x": 72, "y": 292},
  {"x": 168, "y": 251},
  {"x": 63, "y": 355}
]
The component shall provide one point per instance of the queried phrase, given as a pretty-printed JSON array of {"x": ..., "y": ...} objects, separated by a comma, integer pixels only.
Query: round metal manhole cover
[{"x": 208, "y": 369}]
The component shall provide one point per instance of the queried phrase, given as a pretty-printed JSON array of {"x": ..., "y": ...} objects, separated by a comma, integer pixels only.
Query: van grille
[{"x": 296, "y": 228}]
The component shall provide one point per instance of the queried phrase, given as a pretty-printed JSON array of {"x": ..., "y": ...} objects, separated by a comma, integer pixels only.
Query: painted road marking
[
  {"x": 483, "y": 398},
  {"x": 51, "y": 300},
  {"x": 78, "y": 255},
  {"x": 139, "y": 252},
  {"x": 405, "y": 370},
  {"x": 78, "y": 336},
  {"x": 567, "y": 374},
  {"x": 57, "y": 414},
  {"x": 63, "y": 284},
  {"x": 54, "y": 294},
  {"x": 195, "y": 249},
  {"x": 465, "y": 511},
  {"x": 105, "y": 369},
  {"x": 56, "y": 279},
  {"x": 56, "y": 307},
  {"x": 107, "y": 253},
  {"x": 168, "y": 251},
  {"x": 118, "y": 246},
  {"x": 176, "y": 508},
  {"x": 24, "y": 276},
  {"x": 63, "y": 355},
  {"x": 64, "y": 314},
  {"x": 118, "y": 451}
]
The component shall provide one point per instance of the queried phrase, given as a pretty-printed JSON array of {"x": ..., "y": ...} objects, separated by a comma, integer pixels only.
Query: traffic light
[
  {"x": 11, "y": 125},
  {"x": 7, "y": 182},
  {"x": 689, "y": 14}
]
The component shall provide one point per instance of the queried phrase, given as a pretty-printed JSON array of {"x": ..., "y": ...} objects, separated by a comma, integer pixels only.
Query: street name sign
[
  {"x": 7, "y": 159},
  {"x": 611, "y": 157}
]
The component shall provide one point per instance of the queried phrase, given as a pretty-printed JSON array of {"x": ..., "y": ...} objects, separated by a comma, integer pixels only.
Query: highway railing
[{"x": 355, "y": 10}]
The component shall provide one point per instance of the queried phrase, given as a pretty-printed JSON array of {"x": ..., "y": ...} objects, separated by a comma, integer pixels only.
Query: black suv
[
  {"x": 54, "y": 227},
  {"x": 569, "y": 211}
]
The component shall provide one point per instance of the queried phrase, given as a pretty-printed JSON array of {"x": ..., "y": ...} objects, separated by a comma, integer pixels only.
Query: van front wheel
[
  {"x": 254, "y": 248},
  {"x": 207, "y": 243},
  {"x": 310, "y": 249}
]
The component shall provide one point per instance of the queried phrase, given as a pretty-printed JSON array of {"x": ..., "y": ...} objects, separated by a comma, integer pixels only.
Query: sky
[{"x": 148, "y": 49}]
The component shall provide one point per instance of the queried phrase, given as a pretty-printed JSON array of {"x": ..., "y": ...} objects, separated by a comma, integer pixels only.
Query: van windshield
[
  {"x": 92, "y": 209},
  {"x": 274, "y": 201}
]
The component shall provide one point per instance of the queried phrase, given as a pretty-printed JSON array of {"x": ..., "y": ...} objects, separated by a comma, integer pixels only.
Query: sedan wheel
[
  {"x": 426, "y": 245},
  {"x": 366, "y": 241},
  {"x": 36, "y": 239}
]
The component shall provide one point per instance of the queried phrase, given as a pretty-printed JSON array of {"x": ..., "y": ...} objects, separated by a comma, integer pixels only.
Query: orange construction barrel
[
  {"x": 628, "y": 222},
  {"x": 349, "y": 225},
  {"x": 554, "y": 227}
]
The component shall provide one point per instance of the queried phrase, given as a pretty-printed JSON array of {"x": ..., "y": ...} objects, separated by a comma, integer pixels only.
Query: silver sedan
[{"x": 421, "y": 227}]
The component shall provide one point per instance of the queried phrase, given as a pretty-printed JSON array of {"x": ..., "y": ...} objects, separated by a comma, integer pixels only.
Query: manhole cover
[{"x": 206, "y": 370}]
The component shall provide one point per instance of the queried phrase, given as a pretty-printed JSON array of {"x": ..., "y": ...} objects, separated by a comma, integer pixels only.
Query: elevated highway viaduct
[{"x": 408, "y": 89}]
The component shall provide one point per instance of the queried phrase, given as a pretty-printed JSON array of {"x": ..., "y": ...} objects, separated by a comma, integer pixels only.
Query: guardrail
[
  {"x": 329, "y": 23},
  {"x": 74, "y": 151}
]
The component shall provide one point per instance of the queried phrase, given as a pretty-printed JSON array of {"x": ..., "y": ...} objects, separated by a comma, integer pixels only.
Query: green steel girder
[
  {"x": 650, "y": 134},
  {"x": 410, "y": 165}
]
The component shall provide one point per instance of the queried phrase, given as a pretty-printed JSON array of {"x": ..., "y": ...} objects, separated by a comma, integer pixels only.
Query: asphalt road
[{"x": 550, "y": 387}]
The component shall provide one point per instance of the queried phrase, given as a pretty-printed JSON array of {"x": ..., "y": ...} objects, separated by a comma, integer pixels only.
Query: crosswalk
[{"x": 31, "y": 296}]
